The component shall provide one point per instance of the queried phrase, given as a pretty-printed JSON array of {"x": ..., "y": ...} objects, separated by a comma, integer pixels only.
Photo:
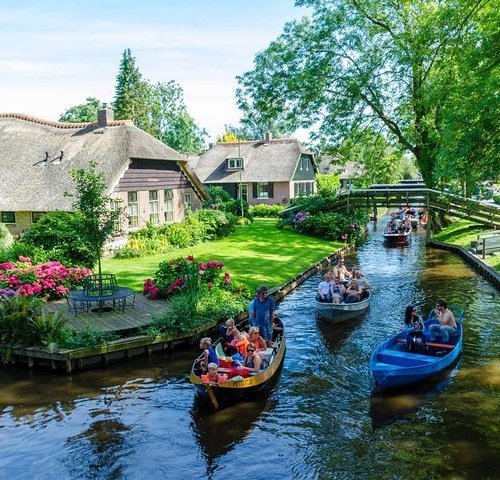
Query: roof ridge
[
  {"x": 262, "y": 140},
  {"x": 65, "y": 125}
]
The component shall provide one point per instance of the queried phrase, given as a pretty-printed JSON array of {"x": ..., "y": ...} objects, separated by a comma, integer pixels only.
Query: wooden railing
[{"x": 396, "y": 196}]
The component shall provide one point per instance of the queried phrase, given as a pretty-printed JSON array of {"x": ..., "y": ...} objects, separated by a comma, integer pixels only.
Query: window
[
  {"x": 187, "y": 201},
  {"x": 36, "y": 216},
  {"x": 8, "y": 217},
  {"x": 234, "y": 163},
  {"x": 168, "y": 205},
  {"x": 303, "y": 188},
  {"x": 154, "y": 216},
  {"x": 115, "y": 206},
  {"x": 133, "y": 210},
  {"x": 263, "y": 190}
]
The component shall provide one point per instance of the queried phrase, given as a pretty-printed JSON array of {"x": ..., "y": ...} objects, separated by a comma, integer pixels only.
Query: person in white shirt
[{"x": 325, "y": 292}]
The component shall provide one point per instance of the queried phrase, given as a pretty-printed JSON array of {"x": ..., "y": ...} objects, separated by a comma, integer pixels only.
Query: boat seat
[
  {"x": 387, "y": 366},
  {"x": 266, "y": 354},
  {"x": 447, "y": 346},
  {"x": 399, "y": 354}
]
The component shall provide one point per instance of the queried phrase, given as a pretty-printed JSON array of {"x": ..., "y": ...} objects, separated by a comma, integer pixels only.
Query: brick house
[
  {"x": 267, "y": 171},
  {"x": 151, "y": 182}
]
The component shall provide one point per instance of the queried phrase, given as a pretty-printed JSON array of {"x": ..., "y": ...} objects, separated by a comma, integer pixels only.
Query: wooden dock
[{"x": 133, "y": 317}]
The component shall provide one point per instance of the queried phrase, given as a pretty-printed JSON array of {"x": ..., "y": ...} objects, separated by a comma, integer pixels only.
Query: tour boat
[
  {"x": 338, "y": 312},
  {"x": 392, "y": 366},
  {"x": 397, "y": 239},
  {"x": 257, "y": 384}
]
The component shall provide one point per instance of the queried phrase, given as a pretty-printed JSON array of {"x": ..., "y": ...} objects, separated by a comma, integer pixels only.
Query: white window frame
[
  {"x": 168, "y": 205},
  {"x": 234, "y": 163},
  {"x": 115, "y": 205},
  {"x": 261, "y": 191},
  {"x": 154, "y": 207},
  {"x": 133, "y": 210},
  {"x": 187, "y": 202}
]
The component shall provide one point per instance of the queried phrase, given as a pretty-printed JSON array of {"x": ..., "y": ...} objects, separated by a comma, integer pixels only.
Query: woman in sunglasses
[{"x": 251, "y": 363}]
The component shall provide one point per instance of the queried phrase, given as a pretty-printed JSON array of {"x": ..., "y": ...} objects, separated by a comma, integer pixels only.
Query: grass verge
[
  {"x": 462, "y": 233},
  {"x": 254, "y": 254}
]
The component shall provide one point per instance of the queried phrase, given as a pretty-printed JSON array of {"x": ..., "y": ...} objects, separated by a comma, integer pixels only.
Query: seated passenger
[
  {"x": 277, "y": 328},
  {"x": 447, "y": 325},
  {"x": 360, "y": 279},
  {"x": 325, "y": 289},
  {"x": 241, "y": 343},
  {"x": 353, "y": 292},
  {"x": 414, "y": 324},
  {"x": 256, "y": 339},
  {"x": 391, "y": 227},
  {"x": 209, "y": 355},
  {"x": 341, "y": 271},
  {"x": 338, "y": 291},
  {"x": 212, "y": 376},
  {"x": 251, "y": 363}
]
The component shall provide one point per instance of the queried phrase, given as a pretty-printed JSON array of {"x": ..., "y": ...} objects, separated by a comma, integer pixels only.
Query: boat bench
[
  {"x": 447, "y": 346},
  {"x": 404, "y": 355}
]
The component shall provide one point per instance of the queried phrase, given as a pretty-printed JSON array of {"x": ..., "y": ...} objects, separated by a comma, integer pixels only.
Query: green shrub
[
  {"x": 129, "y": 252},
  {"x": 221, "y": 200},
  {"x": 496, "y": 199},
  {"x": 88, "y": 338},
  {"x": 187, "y": 313},
  {"x": 38, "y": 255},
  {"x": 217, "y": 224},
  {"x": 58, "y": 234},
  {"x": 263, "y": 210},
  {"x": 6, "y": 238},
  {"x": 49, "y": 329},
  {"x": 16, "y": 313}
]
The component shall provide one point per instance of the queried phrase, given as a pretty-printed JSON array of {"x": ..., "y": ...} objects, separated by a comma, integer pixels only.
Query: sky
[{"x": 55, "y": 54}]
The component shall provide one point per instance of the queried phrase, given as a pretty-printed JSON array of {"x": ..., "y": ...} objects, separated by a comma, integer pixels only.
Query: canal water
[{"x": 323, "y": 420}]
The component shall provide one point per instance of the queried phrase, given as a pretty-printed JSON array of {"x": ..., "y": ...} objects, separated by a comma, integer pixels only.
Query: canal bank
[
  {"x": 323, "y": 420},
  {"x": 127, "y": 348}
]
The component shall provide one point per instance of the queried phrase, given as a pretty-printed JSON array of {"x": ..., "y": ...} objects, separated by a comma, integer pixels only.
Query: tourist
[
  {"x": 360, "y": 279},
  {"x": 277, "y": 328},
  {"x": 325, "y": 293},
  {"x": 338, "y": 291},
  {"x": 256, "y": 339},
  {"x": 391, "y": 227},
  {"x": 414, "y": 324},
  {"x": 209, "y": 355},
  {"x": 251, "y": 363},
  {"x": 341, "y": 271},
  {"x": 251, "y": 304},
  {"x": 447, "y": 325},
  {"x": 353, "y": 292},
  {"x": 212, "y": 376},
  {"x": 263, "y": 314}
]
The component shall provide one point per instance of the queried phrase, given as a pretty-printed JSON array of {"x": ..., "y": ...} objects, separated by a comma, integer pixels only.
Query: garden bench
[{"x": 486, "y": 245}]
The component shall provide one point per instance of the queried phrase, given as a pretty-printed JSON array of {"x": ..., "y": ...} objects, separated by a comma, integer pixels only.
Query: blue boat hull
[{"x": 392, "y": 366}]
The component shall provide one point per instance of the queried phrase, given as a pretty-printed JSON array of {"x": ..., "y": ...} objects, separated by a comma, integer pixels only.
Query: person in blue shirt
[{"x": 263, "y": 314}]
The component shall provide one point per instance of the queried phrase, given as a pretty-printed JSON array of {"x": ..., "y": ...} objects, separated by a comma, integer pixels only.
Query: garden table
[{"x": 82, "y": 300}]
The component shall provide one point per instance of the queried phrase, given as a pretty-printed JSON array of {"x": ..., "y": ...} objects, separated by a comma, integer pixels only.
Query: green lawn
[
  {"x": 254, "y": 254},
  {"x": 462, "y": 233}
]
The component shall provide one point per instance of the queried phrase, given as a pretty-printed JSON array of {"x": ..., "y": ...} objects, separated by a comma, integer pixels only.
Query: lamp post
[{"x": 241, "y": 168}]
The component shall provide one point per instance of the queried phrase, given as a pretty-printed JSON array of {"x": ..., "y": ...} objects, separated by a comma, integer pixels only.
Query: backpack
[{"x": 415, "y": 342}]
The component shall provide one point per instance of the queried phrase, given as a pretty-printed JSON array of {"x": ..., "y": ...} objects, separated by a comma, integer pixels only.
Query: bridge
[{"x": 417, "y": 195}]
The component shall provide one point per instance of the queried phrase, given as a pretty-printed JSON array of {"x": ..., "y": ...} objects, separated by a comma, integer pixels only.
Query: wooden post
[
  {"x": 374, "y": 209},
  {"x": 430, "y": 222},
  {"x": 31, "y": 362},
  {"x": 484, "y": 247},
  {"x": 69, "y": 365}
]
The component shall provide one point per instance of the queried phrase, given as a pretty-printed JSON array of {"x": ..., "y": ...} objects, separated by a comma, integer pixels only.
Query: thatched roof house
[
  {"x": 269, "y": 170},
  {"x": 36, "y": 157}
]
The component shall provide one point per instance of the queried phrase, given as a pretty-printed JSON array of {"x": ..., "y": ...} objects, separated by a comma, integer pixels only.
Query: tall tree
[
  {"x": 85, "y": 112},
  {"x": 359, "y": 63},
  {"x": 131, "y": 93}
]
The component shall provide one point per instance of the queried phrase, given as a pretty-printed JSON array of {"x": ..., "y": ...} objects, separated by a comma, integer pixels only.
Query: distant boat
[
  {"x": 339, "y": 312},
  {"x": 223, "y": 394},
  {"x": 392, "y": 366}
]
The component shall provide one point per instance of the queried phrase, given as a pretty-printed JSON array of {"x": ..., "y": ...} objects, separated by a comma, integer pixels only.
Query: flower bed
[
  {"x": 49, "y": 280},
  {"x": 173, "y": 276}
]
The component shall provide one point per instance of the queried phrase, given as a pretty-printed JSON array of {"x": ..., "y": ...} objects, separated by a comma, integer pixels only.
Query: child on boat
[{"x": 213, "y": 376}]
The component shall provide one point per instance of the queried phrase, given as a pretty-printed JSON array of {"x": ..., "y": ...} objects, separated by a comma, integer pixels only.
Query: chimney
[
  {"x": 269, "y": 136},
  {"x": 105, "y": 116},
  {"x": 211, "y": 145}
]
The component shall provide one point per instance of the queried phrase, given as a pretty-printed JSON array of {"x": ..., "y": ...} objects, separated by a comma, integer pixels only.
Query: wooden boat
[
  {"x": 223, "y": 394},
  {"x": 338, "y": 312},
  {"x": 392, "y": 366},
  {"x": 397, "y": 239}
]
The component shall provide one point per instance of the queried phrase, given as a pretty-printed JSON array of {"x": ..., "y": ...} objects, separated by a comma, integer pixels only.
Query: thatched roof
[
  {"x": 338, "y": 165},
  {"x": 29, "y": 183},
  {"x": 272, "y": 160}
]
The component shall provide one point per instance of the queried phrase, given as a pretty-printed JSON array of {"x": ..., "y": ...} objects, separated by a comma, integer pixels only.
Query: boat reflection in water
[
  {"x": 335, "y": 335},
  {"x": 218, "y": 432},
  {"x": 389, "y": 407}
]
